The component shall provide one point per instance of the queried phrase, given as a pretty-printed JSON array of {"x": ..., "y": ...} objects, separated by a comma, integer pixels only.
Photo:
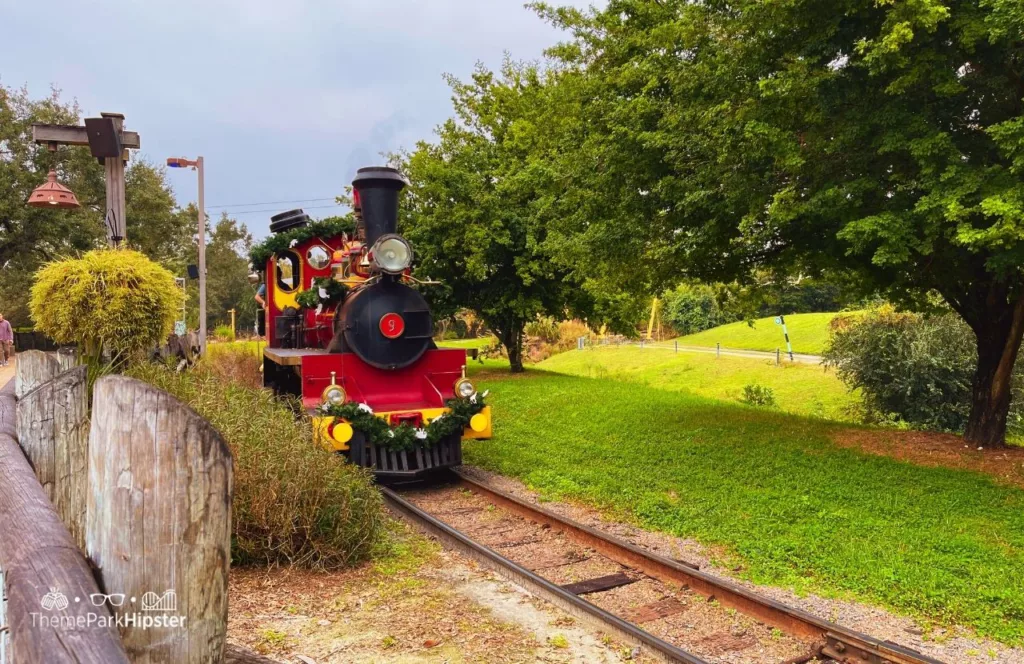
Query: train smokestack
[{"x": 378, "y": 188}]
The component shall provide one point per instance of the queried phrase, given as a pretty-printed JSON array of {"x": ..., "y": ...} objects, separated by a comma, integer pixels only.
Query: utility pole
[{"x": 197, "y": 164}]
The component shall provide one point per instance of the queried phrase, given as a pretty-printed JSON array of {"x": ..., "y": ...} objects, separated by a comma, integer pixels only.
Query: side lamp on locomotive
[{"x": 367, "y": 346}]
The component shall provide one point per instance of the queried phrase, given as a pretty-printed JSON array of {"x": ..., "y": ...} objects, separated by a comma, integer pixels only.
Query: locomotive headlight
[
  {"x": 392, "y": 253},
  {"x": 464, "y": 388},
  {"x": 334, "y": 395}
]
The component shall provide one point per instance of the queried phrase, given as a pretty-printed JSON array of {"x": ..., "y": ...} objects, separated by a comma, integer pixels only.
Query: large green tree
[
  {"x": 227, "y": 275},
  {"x": 477, "y": 210},
  {"x": 885, "y": 139}
]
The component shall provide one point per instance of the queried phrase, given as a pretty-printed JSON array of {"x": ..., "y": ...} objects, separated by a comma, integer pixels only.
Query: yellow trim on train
[{"x": 480, "y": 427}]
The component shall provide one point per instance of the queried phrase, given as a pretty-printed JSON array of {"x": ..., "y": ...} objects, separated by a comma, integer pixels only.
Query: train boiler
[{"x": 350, "y": 335}]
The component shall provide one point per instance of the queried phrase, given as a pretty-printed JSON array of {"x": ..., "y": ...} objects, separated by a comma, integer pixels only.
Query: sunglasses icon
[{"x": 97, "y": 599}]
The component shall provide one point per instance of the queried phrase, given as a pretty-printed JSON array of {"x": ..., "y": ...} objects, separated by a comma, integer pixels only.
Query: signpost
[{"x": 781, "y": 320}]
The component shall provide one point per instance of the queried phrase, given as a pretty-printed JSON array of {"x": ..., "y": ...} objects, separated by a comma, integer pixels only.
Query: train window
[
  {"x": 318, "y": 257},
  {"x": 287, "y": 272}
]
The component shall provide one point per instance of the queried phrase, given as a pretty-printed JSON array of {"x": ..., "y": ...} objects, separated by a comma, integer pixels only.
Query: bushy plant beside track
[
  {"x": 113, "y": 300},
  {"x": 294, "y": 502}
]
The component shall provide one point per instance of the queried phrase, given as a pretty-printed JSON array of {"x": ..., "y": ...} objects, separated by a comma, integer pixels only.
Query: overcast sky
[{"x": 283, "y": 98}]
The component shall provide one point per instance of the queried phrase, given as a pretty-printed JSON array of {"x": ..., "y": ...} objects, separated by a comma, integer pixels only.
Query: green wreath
[
  {"x": 404, "y": 437},
  {"x": 311, "y": 298}
]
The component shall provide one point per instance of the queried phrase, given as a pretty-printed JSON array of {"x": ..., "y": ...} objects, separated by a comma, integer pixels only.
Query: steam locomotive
[{"x": 365, "y": 350}]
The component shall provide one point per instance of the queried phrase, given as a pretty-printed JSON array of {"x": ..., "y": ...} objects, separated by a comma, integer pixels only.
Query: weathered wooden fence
[{"x": 114, "y": 530}]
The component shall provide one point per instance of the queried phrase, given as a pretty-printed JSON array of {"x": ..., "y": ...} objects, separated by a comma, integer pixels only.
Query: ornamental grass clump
[
  {"x": 116, "y": 301},
  {"x": 295, "y": 503}
]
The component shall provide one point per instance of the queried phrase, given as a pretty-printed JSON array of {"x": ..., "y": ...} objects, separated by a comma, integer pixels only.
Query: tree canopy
[
  {"x": 882, "y": 139},
  {"x": 478, "y": 208}
]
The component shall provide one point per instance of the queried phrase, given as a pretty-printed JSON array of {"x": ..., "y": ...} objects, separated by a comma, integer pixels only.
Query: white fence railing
[{"x": 778, "y": 355}]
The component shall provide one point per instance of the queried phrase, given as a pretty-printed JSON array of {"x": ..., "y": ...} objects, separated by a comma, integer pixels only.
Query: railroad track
[{"x": 490, "y": 514}]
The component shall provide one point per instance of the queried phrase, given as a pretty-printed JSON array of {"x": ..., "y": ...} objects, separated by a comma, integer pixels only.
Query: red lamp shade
[{"x": 52, "y": 194}]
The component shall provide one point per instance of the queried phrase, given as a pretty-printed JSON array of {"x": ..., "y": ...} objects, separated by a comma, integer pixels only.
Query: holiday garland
[
  {"x": 278, "y": 242},
  {"x": 324, "y": 291},
  {"x": 404, "y": 437}
]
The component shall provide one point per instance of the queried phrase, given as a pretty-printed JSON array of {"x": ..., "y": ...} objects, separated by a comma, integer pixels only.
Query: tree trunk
[
  {"x": 512, "y": 340},
  {"x": 999, "y": 339}
]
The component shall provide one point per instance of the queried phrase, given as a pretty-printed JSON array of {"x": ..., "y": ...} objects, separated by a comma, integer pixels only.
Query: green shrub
[
  {"x": 543, "y": 327},
  {"x": 224, "y": 333},
  {"x": 758, "y": 395},
  {"x": 691, "y": 308},
  {"x": 294, "y": 502},
  {"x": 116, "y": 300},
  {"x": 909, "y": 367}
]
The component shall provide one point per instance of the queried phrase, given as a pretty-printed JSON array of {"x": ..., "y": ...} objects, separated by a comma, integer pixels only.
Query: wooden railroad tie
[{"x": 599, "y": 584}]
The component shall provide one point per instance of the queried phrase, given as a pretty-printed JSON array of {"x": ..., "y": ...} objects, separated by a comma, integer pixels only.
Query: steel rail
[
  {"x": 578, "y": 607},
  {"x": 840, "y": 643}
]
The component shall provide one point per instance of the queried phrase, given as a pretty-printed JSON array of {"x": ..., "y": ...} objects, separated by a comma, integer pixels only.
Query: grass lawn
[
  {"x": 771, "y": 492},
  {"x": 805, "y": 389},
  {"x": 807, "y": 332},
  {"x": 247, "y": 345},
  {"x": 480, "y": 342}
]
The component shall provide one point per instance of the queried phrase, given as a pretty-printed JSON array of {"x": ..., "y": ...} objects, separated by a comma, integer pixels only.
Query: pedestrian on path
[{"x": 6, "y": 341}]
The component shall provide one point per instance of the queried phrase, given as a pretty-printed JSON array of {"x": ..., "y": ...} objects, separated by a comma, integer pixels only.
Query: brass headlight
[
  {"x": 334, "y": 395},
  {"x": 464, "y": 388}
]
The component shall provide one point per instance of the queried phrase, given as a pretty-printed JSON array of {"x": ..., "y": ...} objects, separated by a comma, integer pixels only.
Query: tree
[
  {"x": 155, "y": 224},
  {"x": 477, "y": 209},
  {"x": 882, "y": 139},
  {"x": 227, "y": 278}
]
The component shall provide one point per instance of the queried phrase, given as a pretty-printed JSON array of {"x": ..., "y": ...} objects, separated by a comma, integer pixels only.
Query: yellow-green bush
[{"x": 113, "y": 299}]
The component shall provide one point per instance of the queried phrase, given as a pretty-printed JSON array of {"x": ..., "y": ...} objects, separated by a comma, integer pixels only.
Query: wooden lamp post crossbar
[{"x": 105, "y": 136}]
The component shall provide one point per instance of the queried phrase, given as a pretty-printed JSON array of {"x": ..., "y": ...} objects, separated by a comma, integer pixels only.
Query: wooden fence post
[
  {"x": 34, "y": 367},
  {"x": 159, "y": 519},
  {"x": 53, "y": 431},
  {"x": 44, "y": 572}
]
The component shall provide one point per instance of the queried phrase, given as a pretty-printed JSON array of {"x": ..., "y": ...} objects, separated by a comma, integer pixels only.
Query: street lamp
[{"x": 197, "y": 164}]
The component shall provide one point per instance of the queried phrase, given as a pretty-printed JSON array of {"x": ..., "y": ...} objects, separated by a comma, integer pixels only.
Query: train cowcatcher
[{"x": 351, "y": 337}]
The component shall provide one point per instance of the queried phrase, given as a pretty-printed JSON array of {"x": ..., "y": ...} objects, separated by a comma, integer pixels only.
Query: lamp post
[
  {"x": 109, "y": 142},
  {"x": 197, "y": 164}
]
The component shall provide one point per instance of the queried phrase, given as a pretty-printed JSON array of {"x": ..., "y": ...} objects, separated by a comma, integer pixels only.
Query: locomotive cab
[{"x": 349, "y": 336}]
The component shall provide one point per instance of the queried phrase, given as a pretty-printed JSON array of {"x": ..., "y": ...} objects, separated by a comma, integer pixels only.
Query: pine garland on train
[
  {"x": 404, "y": 437},
  {"x": 329, "y": 227},
  {"x": 324, "y": 291}
]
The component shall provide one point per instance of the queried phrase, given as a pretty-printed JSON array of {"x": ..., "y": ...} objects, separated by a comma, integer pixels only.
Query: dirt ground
[
  {"x": 937, "y": 449},
  {"x": 421, "y": 605},
  {"x": 954, "y": 645}
]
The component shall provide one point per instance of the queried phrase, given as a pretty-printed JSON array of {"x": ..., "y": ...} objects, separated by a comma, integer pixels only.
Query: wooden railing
[{"x": 114, "y": 529}]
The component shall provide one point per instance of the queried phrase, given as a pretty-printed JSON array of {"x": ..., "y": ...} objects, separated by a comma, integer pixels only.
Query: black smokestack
[{"x": 378, "y": 188}]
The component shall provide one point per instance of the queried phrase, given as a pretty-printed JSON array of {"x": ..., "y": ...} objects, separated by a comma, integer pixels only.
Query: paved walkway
[{"x": 7, "y": 373}]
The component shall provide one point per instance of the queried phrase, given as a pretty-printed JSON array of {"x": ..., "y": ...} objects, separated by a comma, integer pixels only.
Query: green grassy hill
[
  {"x": 805, "y": 389},
  {"x": 807, "y": 332}
]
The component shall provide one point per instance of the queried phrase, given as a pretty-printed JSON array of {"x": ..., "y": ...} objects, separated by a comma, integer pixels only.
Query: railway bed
[{"x": 667, "y": 609}]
